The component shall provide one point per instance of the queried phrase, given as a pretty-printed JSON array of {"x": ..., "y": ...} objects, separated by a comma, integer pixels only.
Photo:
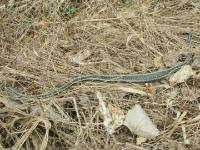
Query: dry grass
[{"x": 40, "y": 42}]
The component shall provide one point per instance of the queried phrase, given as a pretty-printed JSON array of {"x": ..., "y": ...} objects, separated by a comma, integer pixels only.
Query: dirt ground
[{"x": 45, "y": 43}]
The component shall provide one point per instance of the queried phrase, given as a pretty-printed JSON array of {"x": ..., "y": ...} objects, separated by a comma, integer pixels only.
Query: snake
[{"x": 129, "y": 78}]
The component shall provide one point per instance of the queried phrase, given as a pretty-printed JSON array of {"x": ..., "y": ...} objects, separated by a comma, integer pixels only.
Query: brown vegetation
[{"x": 45, "y": 43}]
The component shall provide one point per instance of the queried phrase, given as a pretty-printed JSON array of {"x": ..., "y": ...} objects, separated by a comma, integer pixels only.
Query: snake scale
[{"x": 130, "y": 78}]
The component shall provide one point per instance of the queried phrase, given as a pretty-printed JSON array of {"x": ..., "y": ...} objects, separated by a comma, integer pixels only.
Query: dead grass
[{"x": 40, "y": 42}]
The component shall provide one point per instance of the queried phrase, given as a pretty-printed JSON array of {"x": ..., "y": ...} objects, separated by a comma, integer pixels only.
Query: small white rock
[
  {"x": 140, "y": 124},
  {"x": 140, "y": 140},
  {"x": 182, "y": 75},
  {"x": 196, "y": 63}
]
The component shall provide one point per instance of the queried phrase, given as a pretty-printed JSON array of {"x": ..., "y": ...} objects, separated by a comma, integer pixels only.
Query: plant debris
[{"x": 46, "y": 43}]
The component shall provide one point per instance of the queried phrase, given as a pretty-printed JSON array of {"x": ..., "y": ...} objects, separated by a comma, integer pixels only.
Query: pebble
[{"x": 196, "y": 63}]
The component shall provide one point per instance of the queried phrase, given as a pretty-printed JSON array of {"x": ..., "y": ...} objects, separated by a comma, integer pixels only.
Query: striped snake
[{"x": 130, "y": 78}]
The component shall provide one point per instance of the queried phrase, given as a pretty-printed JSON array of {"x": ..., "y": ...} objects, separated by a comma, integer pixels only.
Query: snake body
[{"x": 130, "y": 78}]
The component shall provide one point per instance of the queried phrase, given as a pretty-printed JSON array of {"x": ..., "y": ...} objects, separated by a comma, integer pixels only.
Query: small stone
[{"x": 196, "y": 63}]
